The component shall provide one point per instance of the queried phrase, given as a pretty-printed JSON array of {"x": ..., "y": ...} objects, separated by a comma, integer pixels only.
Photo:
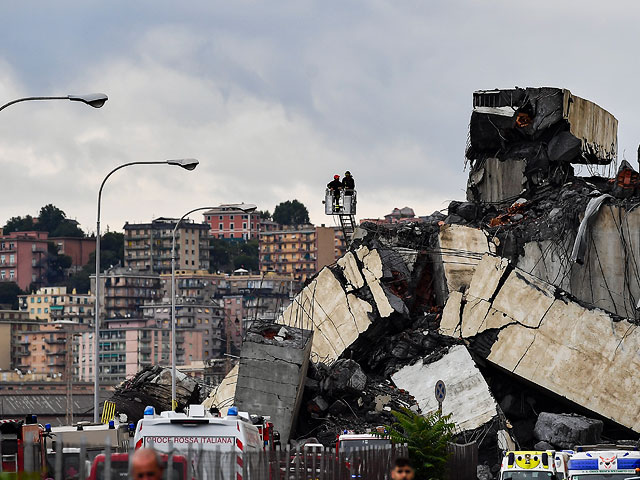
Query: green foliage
[
  {"x": 228, "y": 255},
  {"x": 50, "y": 219},
  {"x": 18, "y": 224},
  {"x": 291, "y": 212},
  {"x": 427, "y": 438},
  {"x": 264, "y": 214},
  {"x": 9, "y": 292}
]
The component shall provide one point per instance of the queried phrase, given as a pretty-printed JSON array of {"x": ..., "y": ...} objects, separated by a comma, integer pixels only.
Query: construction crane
[{"x": 344, "y": 207}]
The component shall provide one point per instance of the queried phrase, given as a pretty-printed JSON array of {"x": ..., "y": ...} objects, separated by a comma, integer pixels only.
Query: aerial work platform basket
[{"x": 343, "y": 206}]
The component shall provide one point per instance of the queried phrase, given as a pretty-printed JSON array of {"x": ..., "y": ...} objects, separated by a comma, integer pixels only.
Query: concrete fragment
[
  {"x": 461, "y": 248},
  {"x": 450, "y": 322},
  {"x": 223, "y": 395},
  {"x": 468, "y": 398},
  {"x": 336, "y": 317},
  {"x": 271, "y": 374},
  {"x": 533, "y": 319},
  {"x": 345, "y": 376},
  {"x": 351, "y": 272},
  {"x": 566, "y": 431}
]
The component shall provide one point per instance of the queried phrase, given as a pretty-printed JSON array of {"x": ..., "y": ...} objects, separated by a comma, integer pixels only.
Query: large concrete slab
[
  {"x": 334, "y": 311},
  {"x": 461, "y": 248},
  {"x": 583, "y": 354},
  {"x": 609, "y": 278},
  {"x": 272, "y": 369},
  {"x": 468, "y": 398}
]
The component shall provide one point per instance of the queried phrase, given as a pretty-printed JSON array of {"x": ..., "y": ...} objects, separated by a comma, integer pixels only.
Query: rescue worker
[
  {"x": 348, "y": 183},
  {"x": 335, "y": 187},
  {"x": 145, "y": 465}
]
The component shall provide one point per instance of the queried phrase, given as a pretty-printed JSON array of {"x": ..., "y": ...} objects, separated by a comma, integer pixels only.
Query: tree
[
  {"x": 291, "y": 212},
  {"x": 264, "y": 214},
  {"x": 427, "y": 438},
  {"x": 9, "y": 292},
  {"x": 50, "y": 219},
  {"x": 228, "y": 255},
  {"x": 18, "y": 224}
]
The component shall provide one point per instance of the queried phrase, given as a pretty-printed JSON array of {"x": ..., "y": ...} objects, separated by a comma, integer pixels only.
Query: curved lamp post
[
  {"x": 248, "y": 209},
  {"x": 187, "y": 164},
  {"x": 95, "y": 100}
]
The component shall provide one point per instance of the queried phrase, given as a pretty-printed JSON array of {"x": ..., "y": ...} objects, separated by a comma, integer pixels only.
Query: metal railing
[{"x": 194, "y": 461}]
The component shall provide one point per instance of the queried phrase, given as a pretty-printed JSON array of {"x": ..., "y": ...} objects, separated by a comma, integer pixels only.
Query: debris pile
[
  {"x": 152, "y": 386},
  {"x": 523, "y": 299},
  {"x": 344, "y": 397}
]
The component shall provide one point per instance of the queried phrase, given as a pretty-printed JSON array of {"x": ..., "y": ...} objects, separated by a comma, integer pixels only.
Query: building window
[
  {"x": 12, "y": 274},
  {"x": 244, "y": 225},
  {"x": 231, "y": 226},
  {"x": 220, "y": 226}
]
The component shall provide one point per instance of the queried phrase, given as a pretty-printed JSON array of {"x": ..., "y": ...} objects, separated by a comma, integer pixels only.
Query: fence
[{"x": 311, "y": 462}]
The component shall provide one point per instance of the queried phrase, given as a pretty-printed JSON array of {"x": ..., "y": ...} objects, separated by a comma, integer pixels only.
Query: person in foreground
[
  {"x": 402, "y": 470},
  {"x": 145, "y": 465}
]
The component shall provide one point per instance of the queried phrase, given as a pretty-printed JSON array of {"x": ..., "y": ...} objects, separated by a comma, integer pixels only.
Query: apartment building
[
  {"x": 125, "y": 290},
  {"x": 78, "y": 248},
  {"x": 54, "y": 304},
  {"x": 23, "y": 258},
  {"x": 128, "y": 346},
  {"x": 231, "y": 222},
  {"x": 147, "y": 246},
  {"x": 300, "y": 251},
  {"x": 12, "y": 322},
  {"x": 191, "y": 315},
  {"x": 44, "y": 349}
]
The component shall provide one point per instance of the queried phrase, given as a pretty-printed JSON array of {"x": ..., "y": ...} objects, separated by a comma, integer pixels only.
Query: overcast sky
[{"x": 274, "y": 98}]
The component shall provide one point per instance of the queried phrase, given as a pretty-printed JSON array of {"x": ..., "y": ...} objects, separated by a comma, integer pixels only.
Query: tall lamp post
[
  {"x": 95, "y": 100},
  {"x": 246, "y": 209},
  {"x": 187, "y": 164}
]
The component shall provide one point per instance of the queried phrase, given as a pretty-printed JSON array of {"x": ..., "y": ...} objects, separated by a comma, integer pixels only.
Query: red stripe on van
[{"x": 239, "y": 444}]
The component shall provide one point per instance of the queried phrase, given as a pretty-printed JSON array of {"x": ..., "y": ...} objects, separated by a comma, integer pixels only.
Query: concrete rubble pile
[
  {"x": 152, "y": 386},
  {"x": 523, "y": 299}
]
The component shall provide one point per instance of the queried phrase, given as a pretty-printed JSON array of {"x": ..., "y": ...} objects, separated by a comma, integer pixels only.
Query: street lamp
[
  {"x": 187, "y": 164},
  {"x": 95, "y": 100},
  {"x": 247, "y": 208}
]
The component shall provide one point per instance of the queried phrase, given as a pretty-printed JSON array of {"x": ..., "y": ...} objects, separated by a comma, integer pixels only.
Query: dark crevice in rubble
[
  {"x": 522, "y": 401},
  {"x": 481, "y": 343}
]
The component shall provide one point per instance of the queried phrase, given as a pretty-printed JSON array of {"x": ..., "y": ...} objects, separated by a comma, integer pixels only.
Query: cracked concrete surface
[
  {"x": 271, "y": 375},
  {"x": 547, "y": 338},
  {"x": 468, "y": 397}
]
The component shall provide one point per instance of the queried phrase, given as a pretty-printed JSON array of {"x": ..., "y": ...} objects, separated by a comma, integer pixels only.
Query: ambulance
[
  {"x": 603, "y": 463},
  {"x": 534, "y": 465},
  {"x": 202, "y": 437}
]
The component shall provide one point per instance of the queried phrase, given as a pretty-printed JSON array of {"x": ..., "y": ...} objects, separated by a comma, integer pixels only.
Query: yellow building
[
  {"x": 54, "y": 304},
  {"x": 300, "y": 251}
]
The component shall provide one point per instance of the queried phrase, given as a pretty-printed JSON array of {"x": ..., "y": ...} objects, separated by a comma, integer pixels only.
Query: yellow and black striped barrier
[{"x": 108, "y": 411}]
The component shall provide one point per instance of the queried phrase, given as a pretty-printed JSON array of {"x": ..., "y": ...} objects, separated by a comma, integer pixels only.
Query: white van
[{"x": 209, "y": 439}]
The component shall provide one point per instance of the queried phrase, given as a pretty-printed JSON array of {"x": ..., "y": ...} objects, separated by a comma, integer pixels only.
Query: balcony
[
  {"x": 56, "y": 353},
  {"x": 56, "y": 364},
  {"x": 56, "y": 341}
]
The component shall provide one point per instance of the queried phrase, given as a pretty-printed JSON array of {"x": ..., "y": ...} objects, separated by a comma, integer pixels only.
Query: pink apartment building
[{"x": 23, "y": 258}]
